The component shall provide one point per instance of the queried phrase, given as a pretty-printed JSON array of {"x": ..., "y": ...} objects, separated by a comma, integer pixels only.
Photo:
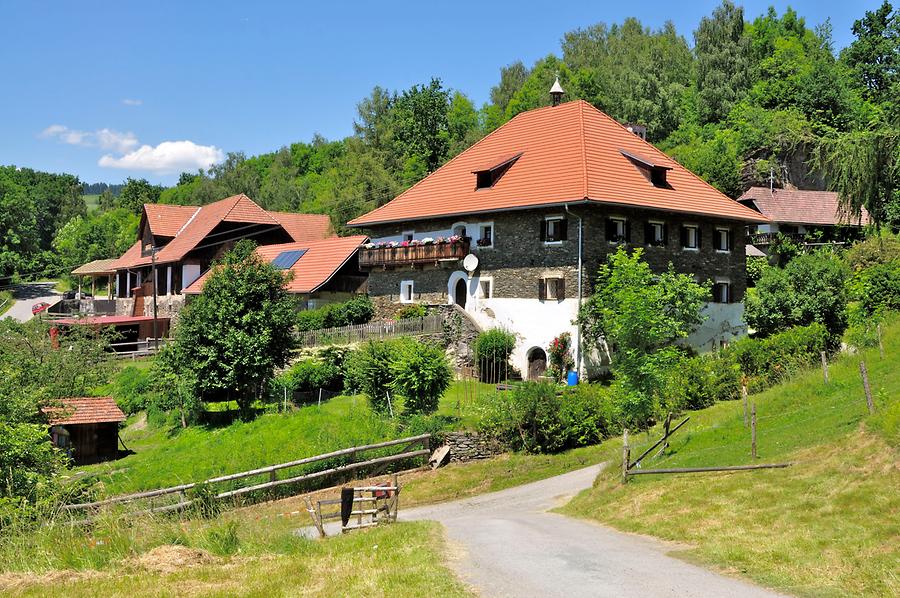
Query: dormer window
[
  {"x": 485, "y": 178},
  {"x": 652, "y": 171}
]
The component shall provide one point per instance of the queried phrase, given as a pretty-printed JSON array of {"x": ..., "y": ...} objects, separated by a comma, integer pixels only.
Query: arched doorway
[
  {"x": 537, "y": 363},
  {"x": 461, "y": 293}
]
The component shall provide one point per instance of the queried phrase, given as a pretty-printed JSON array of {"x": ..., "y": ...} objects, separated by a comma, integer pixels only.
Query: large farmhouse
[{"x": 540, "y": 203}]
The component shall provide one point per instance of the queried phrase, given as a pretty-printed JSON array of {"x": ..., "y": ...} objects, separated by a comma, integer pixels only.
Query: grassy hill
[
  {"x": 827, "y": 526},
  {"x": 92, "y": 202}
]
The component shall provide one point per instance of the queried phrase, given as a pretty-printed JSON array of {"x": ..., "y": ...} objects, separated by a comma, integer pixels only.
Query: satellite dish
[{"x": 470, "y": 263}]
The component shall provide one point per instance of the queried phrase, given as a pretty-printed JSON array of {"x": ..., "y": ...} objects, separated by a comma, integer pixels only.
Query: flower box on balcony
[{"x": 406, "y": 253}]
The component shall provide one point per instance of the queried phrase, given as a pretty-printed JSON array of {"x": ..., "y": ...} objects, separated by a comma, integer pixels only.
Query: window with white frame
[
  {"x": 723, "y": 239},
  {"x": 690, "y": 236},
  {"x": 554, "y": 229},
  {"x": 656, "y": 234},
  {"x": 486, "y": 285},
  {"x": 722, "y": 291},
  {"x": 409, "y": 235},
  {"x": 406, "y": 291},
  {"x": 617, "y": 230},
  {"x": 486, "y": 234}
]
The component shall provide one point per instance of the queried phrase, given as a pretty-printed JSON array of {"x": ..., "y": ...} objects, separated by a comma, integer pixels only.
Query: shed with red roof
[{"x": 86, "y": 428}]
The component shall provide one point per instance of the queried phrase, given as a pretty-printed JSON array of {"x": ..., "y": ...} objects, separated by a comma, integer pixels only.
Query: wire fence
[{"x": 347, "y": 335}]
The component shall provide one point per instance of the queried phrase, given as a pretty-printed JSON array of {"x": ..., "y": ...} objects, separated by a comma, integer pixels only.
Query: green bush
[
  {"x": 412, "y": 311},
  {"x": 357, "y": 310},
  {"x": 701, "y": 381},
  {"x": 589, "y": 414},
  {"x": 312, "y": 374},
  {"x": 368, "y": 370},
  {"x": 756, "y": 265},
  {"x": 881, "y": 288},
  {"x": 492, "y": 350},
  {"x": 436, "y": 425},
  {"x": 527, "y": 418},
  {"x": 133, "y": 389},
  {"x": 421, "y": 375},
  {"x": 874, "y": 251},
  {"x": 767, "y": 361}
]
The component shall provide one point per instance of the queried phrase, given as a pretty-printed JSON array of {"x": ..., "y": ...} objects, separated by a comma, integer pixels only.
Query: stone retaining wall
[{"x": 468, "y": 446}]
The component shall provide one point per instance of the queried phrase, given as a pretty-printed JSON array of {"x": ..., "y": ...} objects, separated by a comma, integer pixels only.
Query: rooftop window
[
  {"x": 655, "y": 173},
  {"x": 485, "y": 178}
]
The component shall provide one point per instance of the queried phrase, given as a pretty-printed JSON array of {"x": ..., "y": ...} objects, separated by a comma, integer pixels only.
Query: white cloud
[
  {"x": 107, "y": 139},
  {"x": 166, "y": 158},
  {"x": 132, "y": 102}
]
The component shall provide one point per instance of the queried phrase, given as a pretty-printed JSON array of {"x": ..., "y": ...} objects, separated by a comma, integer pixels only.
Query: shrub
[
  {"x": 421, "y": 375},
  {"x": 312, "y": 374},
  {"x": 699, "y": 382},
  {"x": 133, "y": 389},
  {"x": 526, "y": 418},
  {"x": 368, "y": 370},
  {"x": 560, "y": 357},
  {"x": 810, "y": 289},
  {"x": 492, "y": 350},
  {"x": 874, "y": 251},
  {"x": 881, "y": 288},
  {"x": 436, "y": 425},
  {"x": 756, "y": 265},
  {"x": 412, "y": 311},
  {"x": 357, "y": 310},
  {"x": 767, "y": 361},
  {"x": 589, "y": 414}
]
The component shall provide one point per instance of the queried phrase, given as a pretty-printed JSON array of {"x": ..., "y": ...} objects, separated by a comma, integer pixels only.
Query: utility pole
[{"x": 155, "y": 330}]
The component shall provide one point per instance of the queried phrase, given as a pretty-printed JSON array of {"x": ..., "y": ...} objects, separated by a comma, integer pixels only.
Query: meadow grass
[
  {"x": 6, "y": 301},
  {"x": 827, "y": 526},
  {"x": 91, "y": 202}
]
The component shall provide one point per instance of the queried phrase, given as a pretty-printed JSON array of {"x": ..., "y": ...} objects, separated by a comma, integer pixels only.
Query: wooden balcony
[{"x": 412, "y": 255}]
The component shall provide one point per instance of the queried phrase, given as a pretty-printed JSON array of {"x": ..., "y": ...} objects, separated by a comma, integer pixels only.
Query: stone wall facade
[{"x": 468, "y": 446}]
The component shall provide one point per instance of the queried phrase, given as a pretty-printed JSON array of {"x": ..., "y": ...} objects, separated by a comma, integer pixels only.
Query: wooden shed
[{"x": 87, "y": 428}]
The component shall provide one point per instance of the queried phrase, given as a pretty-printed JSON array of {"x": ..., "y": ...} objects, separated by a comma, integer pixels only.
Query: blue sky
[{"x": 107, "y": 90}]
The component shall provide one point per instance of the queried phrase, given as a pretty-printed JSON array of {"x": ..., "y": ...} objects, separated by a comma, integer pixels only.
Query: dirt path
[{"x": 509, "y": 545}]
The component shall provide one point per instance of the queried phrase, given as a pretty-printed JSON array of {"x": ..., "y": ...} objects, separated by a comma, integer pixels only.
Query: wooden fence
[
  {"x": 178, "y": 498},
  {"x": 346, "y": 335}
]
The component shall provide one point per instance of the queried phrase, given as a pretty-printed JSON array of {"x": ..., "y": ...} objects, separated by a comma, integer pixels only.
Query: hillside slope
[{"x": 827, "y": 526}]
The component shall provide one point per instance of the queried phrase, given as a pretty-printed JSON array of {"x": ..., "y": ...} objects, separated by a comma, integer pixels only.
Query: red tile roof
[
  {"x": 166, "y": 220},
  {"x": 201, "y": 222},
  {"x": 570, "y": 153},
  {"x": 84, "y": 410},
  {"x": 321, "y": 261},
  {"x": 305, "y": 227},
  {"x": 796, "y": 206}
]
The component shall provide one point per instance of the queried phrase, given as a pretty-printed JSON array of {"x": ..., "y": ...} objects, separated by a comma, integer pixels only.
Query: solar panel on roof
[{"x": 286, "y": 259}]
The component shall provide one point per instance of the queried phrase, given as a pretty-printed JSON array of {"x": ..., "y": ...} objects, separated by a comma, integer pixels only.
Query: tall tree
[
  {"x": 136, "y": 193},
  {"x": 874, "y": 56},
  {"x": 722, "y": 52}
]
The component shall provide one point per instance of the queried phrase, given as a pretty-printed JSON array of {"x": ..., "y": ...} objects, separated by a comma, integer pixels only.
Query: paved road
[
  {"x": 509, "y": 545},
  {"x": 27, "y": 295}
]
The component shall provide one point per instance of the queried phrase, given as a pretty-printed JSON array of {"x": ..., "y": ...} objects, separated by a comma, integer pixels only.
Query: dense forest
[{"x": 750, "y": 101}]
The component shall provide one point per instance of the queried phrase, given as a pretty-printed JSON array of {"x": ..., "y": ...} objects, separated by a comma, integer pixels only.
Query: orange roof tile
[
  {"x": 321, "y": 261},
  {"x": 166, "y": 220},
  {"x": 570, "y": 153},
  {"x": 305, "y": 227},
  {"x": 796, "y": 206},
  {"x": 84, "y": 410}
]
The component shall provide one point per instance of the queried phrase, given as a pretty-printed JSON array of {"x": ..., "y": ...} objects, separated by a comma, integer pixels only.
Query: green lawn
[
  {"x": 91, "y": 202},
  {"x": 827, "y": 526},
  {"x": 6, "y": 301}
]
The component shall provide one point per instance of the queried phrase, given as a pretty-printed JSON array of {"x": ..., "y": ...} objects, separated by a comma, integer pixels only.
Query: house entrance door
[
  {"x": 461, "y": 293},
  {"x": 537, "y": 363}
]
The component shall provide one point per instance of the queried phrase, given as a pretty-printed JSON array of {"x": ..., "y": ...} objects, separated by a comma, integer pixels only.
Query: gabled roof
[
  {"x": 166, "y": 220},
  {"x": 305, "y": 227},
  {"x": 570, "y": 153},
  {"x": 201, "y": 221},
  {"x": 96, "y": 267},
  {"x": 318, "y": 264},
  {"x": 84, "y": 410},
  {"x": 797, "y": 206}
]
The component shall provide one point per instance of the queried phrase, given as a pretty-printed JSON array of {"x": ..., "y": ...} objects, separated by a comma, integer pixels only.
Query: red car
[{"x": 39, "y": 307}]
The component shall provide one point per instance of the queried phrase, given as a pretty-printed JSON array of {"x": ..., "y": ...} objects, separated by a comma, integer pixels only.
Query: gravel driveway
[
  {"x": 506, "y": 544},
  {"x": 28, "y": 294}
]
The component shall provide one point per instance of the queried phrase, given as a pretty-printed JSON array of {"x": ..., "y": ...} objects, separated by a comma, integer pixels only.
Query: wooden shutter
[
  {"x": 560, "y": 289},
  {"x": 699, "y": 236},
  {"x": 610, "y": 229},
  {"x": 648, "y": 234},
  {"x": 665, "y": 234},
  {"x": 628, "y": 231},
  {"x": 683, "y": 236},
  {"x": 564, "y": 229},
  {"x": 542, "y": 289},
  {"x": 543, "y": 224},
  {"x": 730, "y": 240}
]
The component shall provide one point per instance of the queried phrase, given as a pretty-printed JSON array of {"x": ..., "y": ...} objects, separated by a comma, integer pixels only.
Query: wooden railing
[
  {"x": 268, "y": 474},
  {"x": 413, "y": 254},
  {"x": 347, "y": 335}
]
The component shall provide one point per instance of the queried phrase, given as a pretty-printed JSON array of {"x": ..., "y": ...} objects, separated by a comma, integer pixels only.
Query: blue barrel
[{"x": 572, "y": 378}]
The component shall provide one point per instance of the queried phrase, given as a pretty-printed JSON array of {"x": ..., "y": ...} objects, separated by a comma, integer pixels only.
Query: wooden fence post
[
  {"x": 866, "y": 388},
  {"x": 626, "y": 455},
  {"x": 824, "y": 366},
  {"x": 753, "y": 430},
  {"x": 880, "y": 344},
  {"x": 744, "y": 397}
]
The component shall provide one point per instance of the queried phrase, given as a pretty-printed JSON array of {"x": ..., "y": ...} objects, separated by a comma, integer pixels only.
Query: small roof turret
[{"x": 556, "y": 92}]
